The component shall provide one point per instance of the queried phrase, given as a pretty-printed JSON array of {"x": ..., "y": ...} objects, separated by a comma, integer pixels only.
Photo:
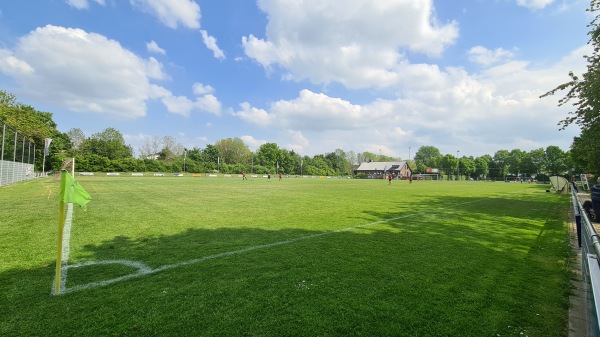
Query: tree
[
  {"x": 500, "y": 164},
  {"x": 481, "y": 167},
  {"x": 337, "y": 161},
  {"x": 429, "y": 156},
  {"x": 556, "y": 163},
  {"x": 35, "y": 125},
  {"x": 150, "y": 148},
  {"x": 584, "y": 149},
  {"x": 515, "y": 161},
  {"x": 210, "y": 157},
  {"x": 449, "y": 164},
  {"x": 108, "y": 143},
  {"x": 76, "y": 137},
  {"x": 234, "y": 151},
  {"x": 268, "y": 155},
  {"x": 7, "y": 99},
  {"x": 467, "y": 166},
  {"x": 366, "y": 157},
  {"x": 583, "y": 94},
  {"x": 170, "y": 144},
  {"x": 533, "y": 162}
]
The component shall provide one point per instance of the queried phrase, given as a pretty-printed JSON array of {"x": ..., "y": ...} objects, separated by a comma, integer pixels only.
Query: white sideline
[{"x": 145, "y": 270}]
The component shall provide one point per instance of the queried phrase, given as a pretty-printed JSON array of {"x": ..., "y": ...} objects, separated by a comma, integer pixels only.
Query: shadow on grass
[{"x": 491, "y": 267}]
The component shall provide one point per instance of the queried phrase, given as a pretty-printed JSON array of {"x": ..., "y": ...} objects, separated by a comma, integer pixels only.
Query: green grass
[{"x": 312, "y": 257}]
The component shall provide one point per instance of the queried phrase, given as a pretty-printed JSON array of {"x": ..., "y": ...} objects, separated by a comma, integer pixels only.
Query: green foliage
[
  {"x": 582, "y": 93},
  {"x": 109, "y": 144},
  {"x": 428, "y": 157},
  {"x": 233, "y": 151}
]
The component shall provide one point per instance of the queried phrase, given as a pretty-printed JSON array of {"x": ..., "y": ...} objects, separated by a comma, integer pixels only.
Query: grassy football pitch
[{"x": 200, "y": 256}]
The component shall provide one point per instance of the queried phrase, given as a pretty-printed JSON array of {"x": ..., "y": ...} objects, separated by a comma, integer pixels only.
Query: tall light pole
[
  {"x": 409, "y": 154},
  {"x": 458, "y": 167}
]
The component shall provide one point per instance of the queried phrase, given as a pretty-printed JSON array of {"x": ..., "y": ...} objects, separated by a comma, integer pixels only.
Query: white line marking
[{"x": 145, "y": 270}]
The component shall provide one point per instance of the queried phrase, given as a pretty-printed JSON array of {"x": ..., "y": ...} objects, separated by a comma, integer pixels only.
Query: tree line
[{"x": 106, "y": 151}]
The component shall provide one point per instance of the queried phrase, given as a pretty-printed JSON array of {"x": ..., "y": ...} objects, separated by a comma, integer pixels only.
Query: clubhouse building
[{"x": 381, "y": 169}]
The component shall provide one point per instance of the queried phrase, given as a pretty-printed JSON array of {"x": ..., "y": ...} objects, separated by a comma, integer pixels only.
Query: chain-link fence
[{"x": 17, "y": 156}]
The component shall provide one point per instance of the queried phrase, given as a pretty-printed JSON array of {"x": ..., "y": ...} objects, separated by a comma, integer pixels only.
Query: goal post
[{"x": 426, "y": 176}]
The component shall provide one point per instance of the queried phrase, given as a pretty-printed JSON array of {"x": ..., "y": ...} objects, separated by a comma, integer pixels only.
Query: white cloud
[
  {"x": 209, "y": 103},
  {"x": 253, "y": 115},
  {"x": 154, "y": 69},
  {"x": 497, "y": 108},
  {"x": 299, "y": 142},
  {"x": 252, "y": 142},
  {"x": 179, "y": 105},
  {"x": 172, "y": 13},
  {"x": 488, "y": 57},
  {"x": 153, "y": 47},
  {"x": 13, "y": 66},
  {"x": 84, "y": 72},
  {"x": 201, "y": 89},
  {"x": 211, "y": 43},
  {"x": 360, "y": 43},
  {"x": 82, "y": 4},
  {"x": 534, "y": 4},
  {"x": 312, "y": 111},
  {"x": 182, "y": 105}
]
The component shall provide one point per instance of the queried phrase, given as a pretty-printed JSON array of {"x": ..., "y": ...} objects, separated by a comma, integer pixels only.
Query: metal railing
[{"x": 589, "y": 242}]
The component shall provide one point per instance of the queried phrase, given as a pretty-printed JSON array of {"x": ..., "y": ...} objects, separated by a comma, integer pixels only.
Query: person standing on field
[
  {"x": 390, "y": 179},
  {"x": 595, "y": 195},
  {"x": 410, "y": 179}
]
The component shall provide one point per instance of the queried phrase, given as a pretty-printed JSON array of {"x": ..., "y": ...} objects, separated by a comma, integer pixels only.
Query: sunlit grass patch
[{"x": 296, "y": 257}]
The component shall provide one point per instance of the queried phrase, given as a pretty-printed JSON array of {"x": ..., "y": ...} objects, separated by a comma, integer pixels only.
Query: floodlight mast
[{"x": 458, "y": 167}]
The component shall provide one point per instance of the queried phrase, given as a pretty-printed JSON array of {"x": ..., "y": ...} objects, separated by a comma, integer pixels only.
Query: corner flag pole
[
  {"x": 61, "y": 226},
  {"x": 70, "y": 193}
]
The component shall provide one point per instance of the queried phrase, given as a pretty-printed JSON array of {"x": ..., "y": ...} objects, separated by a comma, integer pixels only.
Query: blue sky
[{"x": 310, "y": 75}]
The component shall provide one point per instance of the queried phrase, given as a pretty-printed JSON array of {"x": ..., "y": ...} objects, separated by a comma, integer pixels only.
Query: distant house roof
[{"x": 381, "y": 166}]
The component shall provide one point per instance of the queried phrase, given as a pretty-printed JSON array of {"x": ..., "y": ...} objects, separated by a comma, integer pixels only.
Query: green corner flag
[{"x": 72, "y": 192}]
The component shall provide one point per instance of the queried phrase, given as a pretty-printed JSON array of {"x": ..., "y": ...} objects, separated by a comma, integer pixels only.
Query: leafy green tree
[
  {"x": 533, "y": 162},
  {"x": 366, "y": 157},
  {"x": 481, "y": 167},
  {"x": 582, "y": 93},
  {"x": 210, "y": 157},
  {"x": 108, "y": 143},
  {"x": 467, "y": 166},
  {"x": 449, "y": 165},
  {"x": 556, "y": 161},
  {"x": 428, "y": 156},
  {"x": 515, "y": 161},
  {"x": 268, "y": 155},
  {"x": 337, "y": 162},
  {"x": 500, "y": 164},
  {"x": 34, "y": 125},
  {"x": 584, "y": 149},
  {"x": 234, "y": 151}
]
